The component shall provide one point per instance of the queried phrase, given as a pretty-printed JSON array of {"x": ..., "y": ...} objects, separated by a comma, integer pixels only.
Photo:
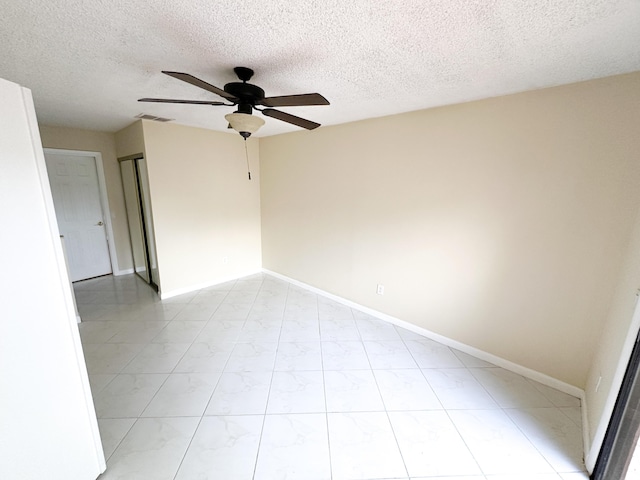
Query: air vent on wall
[{"x": 144, "y": 116}]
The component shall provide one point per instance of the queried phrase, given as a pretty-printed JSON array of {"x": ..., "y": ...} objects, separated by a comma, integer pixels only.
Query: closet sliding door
[{"x": 137, "y": 202}]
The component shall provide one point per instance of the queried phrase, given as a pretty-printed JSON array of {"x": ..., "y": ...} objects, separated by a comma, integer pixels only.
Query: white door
[
  {"x": 48, "y": 426},
  {"x": 76, "y": 196}
]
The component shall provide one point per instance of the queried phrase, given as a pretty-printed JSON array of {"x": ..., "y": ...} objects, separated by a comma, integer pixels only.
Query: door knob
[{"x": 99, "y": 224}]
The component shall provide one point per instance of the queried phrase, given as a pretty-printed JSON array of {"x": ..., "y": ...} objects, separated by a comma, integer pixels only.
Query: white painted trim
[
  {"x": 586, "y": 437},
  {"x": 218, "y": 281},
  {"x": 124, "y": 272},
  {"x": 65, "y": 281},
  {"x": 104, "y": 199},
  {"x": 616, "y": 384},
  {"x": 482, "y": 355}
]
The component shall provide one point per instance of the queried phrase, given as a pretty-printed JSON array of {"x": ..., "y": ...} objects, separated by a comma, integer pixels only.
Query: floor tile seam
[
  {"x": 529, "y": 439},
  {"x": 505, "y": 411},
  {"x": 355, "y": 322},
  {"x": 152, "y": 397},
  {"x": 433, "y": 390},
  {"x": 105, "y": 385},
  {"x": 121, "y": 371},
  {"x": 187, "y": 373},
  {"x": 379, "y": 410},
  {"x": 218, "y": 307},
  {"x": 264, "y": 415},
  {"x": 485, "y": 388},
  {"x": 188, "y": 446},
  {"x": 404, "y": 341},
  {"x": 579, "y": 425},
  {"x": 123, "y": 437},
  {"x": 142, "y": 349},
  {"x": 559, "y": 409},
  {"x": 98, "y": 343},
  {"x": 326, "y": 407},
  {"x": 123, "y": 417},
  {"x": 417, "y": 367},
  {"x": 178, "y": 312},
  {"x": 221, "y": 373},
  {"x": 534, "y": 384},
  {"x": 168, "y": 343},
  {"x": 386, "y": 412},
  {"x": 468, "y": 369},
  {"x": 392, "y": 368},
  {"x": 147, "y": 342},
  {"x": 466, "y": 444}
]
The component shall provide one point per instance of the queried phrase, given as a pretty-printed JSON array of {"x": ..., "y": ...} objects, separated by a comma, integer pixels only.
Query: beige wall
[
  {"x": 103, "y": 142},
  {"x": 204, "y": 206},
  {"x": 501, "y": 224},
  {"x": 130, "y": 140},
  {"x": 612, "y": 339}
]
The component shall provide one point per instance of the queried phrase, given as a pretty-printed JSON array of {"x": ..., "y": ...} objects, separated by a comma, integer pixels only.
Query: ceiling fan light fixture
[{"x": 244, "y": 124}]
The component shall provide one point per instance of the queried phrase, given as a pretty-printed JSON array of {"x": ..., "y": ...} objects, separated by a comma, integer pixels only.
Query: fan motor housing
[{"x": 246, "y": 92}]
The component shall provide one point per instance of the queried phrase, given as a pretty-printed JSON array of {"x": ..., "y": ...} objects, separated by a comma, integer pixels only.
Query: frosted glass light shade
[{"x": 244, "y": 123}]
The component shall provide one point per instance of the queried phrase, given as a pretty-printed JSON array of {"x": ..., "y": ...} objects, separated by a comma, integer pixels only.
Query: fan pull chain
[{"x": 247, "y": 155}]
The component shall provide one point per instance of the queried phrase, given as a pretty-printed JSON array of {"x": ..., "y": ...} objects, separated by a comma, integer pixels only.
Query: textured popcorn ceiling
[{"x": 87, "y": 62}]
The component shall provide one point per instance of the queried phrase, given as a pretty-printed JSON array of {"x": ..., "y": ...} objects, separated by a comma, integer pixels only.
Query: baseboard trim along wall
[
  {"x": 482, "y": 355},
  {"x": 217, "y": 281},
  {"x": 127, "y": 271}
]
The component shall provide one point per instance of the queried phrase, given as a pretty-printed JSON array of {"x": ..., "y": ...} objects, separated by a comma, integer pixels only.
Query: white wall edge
[
  {"x": 616, "y": 384},
  {"x": 65, "y": 280},
  {"x": 586, "y": 437},
  {"x": 218, "y": 281},
  {"x": 482, "y": 355}
]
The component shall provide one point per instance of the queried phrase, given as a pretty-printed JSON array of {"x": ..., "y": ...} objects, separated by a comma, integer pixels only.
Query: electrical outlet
[
  {"x": 380, "y": 290},
  {"x": 225, "y": 259}
]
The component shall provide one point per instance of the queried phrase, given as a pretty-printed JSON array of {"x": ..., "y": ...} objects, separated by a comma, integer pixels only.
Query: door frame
[
  {"x": 104, "y": 200},
  {"x": 616, "y": 387},
  {"x": 620, "y": 439}
]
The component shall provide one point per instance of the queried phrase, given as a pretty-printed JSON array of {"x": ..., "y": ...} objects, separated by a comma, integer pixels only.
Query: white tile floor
[{"x": 259, "y": 379}]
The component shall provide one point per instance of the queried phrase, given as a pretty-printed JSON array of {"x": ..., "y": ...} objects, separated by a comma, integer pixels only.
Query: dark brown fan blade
[
  {"x": 171, "y": 100},
  {"x": 185, "y": 77},
  {"x": 295, "y": 100},
  {"x": 285, "y": 117}
]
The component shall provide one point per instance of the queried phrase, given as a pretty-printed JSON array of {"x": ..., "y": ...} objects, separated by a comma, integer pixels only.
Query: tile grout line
[
  {"x": 266, "y": 405},
  {"x": 504, "y": 409},
  {"x": 324, "y": 390},
  {"x": 386, "y": 412},
  {"x": 138, "y": 417},
  {"x": 445, "y": 410}
]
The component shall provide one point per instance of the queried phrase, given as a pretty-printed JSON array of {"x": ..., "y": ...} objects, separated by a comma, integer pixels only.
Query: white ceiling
[{"x": 87, "y": 62}]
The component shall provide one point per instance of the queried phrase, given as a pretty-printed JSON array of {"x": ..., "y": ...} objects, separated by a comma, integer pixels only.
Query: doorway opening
[{"x": 135, "y": 184}]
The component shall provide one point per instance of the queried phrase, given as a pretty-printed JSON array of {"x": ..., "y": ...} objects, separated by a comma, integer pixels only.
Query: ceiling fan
[{"x": 248, "y": 97}]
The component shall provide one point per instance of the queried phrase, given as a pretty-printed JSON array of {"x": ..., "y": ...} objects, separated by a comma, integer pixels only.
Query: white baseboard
[
  {"x": 117, "y": 273},
  {"x": 217, "y": 281},
  {"x": 482, "y": 355}
]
